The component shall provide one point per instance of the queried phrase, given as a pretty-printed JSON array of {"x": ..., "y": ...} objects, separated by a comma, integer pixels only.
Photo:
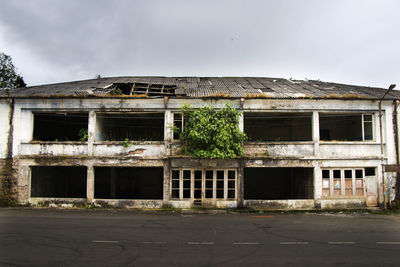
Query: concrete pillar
[
  {"x": 167, "y": 178},
  {"x": 90, "y": 184},
  {"x": 241, "y": 122},
  {"x": 317, "y": 181},
  {"x": 315, "y": 132},
  {"x": 168, "y": 133},
  {"x": 240, "y": 184},
  {"x": 91, "y": 131}
]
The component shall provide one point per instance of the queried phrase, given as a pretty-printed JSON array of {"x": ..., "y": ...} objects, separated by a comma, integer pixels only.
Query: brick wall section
[{"x": 8, "y": 185}]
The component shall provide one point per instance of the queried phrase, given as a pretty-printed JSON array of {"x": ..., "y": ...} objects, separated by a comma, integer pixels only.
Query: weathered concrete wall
[
  {"x": 5, "y": 127},
  {"x": 7, "y": 183},
  {"x": 311, "y": 154}
]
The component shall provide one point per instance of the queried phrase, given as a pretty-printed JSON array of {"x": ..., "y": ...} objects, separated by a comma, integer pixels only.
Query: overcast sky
[{"x": 353, "y": 42}]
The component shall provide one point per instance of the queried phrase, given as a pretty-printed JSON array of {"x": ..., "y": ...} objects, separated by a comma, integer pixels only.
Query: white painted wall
[{"x": 4, "y": 127}]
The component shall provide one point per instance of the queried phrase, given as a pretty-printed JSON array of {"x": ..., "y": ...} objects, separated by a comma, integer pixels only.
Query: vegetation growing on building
[{"x": 212, "y": 134}]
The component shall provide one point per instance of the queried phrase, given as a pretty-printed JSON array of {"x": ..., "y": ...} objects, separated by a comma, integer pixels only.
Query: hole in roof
[
  {"x": 266, "y": 89},
  {"x": 143, "y": 89}
]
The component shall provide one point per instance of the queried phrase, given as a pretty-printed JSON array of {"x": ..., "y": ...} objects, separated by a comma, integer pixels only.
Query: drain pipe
[
  {"x": 396, "y": 143},
  {"x": 391, "y": 87}
]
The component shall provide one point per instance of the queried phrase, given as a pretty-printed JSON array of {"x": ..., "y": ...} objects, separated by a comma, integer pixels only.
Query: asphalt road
[{"x": 47, "y": 237}]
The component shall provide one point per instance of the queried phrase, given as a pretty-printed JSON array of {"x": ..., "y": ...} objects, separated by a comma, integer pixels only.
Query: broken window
[
  {"x": 143, "y": 89},
  {"x": 278, "y": 183},
  {"x": 345, "y": 182},
  {"x": 346, "y": 127},
  {"x": 199, "y": 184},
  {"x": 128, "y": 182},
  {"x": 60, "y": 126},
  {"x": 145, "y": 126},
  {"x": 178, "y": 125},
  {"x": 58, "y": 182},
  {"x": 267, "y": 126}
]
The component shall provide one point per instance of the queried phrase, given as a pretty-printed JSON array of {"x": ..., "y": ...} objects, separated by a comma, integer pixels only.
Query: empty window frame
[
  {"x": 58, "y": 181},
  {"x": 267, "y": 126},
  {"x": 146, "y": 126},
  {"x": 278, "y": 183},
  {"x": 345, "y": 182},
  {"x": 128, "y": 182},
  {"x": 59, "y": 126},
  {"x": 346, "y": 127},
  {"x": 178, "y": 125},
  {"x": 203, "y": 184}
]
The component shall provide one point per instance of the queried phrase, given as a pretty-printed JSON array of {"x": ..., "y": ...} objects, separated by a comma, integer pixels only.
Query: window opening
[
  {"x": 368, "y": 127},
  {"x": 129, "y": 182},
  {"x": 175, "y": 184},
  {"x": 209, "y": 183},
  {"x": 337, "y": 182},
  {"x": 348, "y": 182},
  {"x": 326, "y": 182},
  {"x": 346, "y": 127},
  {"x": 278, "y": 183},
  {"x": 58, "y": 181},
  {"x": 178, "y": 125},
  {"x": 199, "y": 184},
  {"x": 147, "y": 126},
  {"x": 369, "y": 171},
  {"x": 186, "y": 183},
  {"x": 352, "y": 179},
  {"x": 231, "y": 184},
  {"x": 262, "y": 126},
  {"x": 220, "y": 184},
  {"x": 60, "y": 126}
]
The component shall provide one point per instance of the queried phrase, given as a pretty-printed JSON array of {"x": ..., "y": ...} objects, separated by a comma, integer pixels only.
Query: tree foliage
[
  {"x": 9, "y": 78},
  {"x": 212, "y": 134}
]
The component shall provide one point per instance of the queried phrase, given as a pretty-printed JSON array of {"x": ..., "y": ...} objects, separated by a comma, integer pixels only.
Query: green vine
[
  {"x": 212, "y": 134},
  {"x": 83, "y": 134}
]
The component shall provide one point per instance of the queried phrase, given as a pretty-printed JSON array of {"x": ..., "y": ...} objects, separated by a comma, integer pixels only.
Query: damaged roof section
[
  {"x": 202, "y": 87},
  {"x": 142, "y": 89}
]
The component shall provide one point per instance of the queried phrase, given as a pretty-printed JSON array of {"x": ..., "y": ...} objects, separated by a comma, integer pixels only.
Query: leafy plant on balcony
[{"x": 212, "y": 134}]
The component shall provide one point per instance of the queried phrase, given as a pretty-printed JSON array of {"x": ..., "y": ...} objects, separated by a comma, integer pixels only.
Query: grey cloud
[{"x": 342, "y": 41}]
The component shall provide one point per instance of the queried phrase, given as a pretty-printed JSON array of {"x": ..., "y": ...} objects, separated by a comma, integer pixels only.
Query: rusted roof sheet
[{"x": 197, "y": 87}]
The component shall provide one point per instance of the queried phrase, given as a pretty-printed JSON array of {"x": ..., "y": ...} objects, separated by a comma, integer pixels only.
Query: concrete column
[
  {"x": 315, "y": 132},
  {"x": 168, "y": 121},
  {"x": 168, "y": 133},
  {"x": 90, "y": 184},
  {"x": 91, "y": 131},
  {"x": 317, "y": 181},
  {"x": 167, "y": 178},
  {"x": 241, "y": 122},
  {"x": 240, "y": 184}
]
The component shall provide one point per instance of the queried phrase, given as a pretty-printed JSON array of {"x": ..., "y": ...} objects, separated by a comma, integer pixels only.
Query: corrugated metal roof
[{"x": 195, "y": 87}]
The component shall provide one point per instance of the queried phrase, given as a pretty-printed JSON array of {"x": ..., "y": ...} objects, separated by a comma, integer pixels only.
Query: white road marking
[
  {"x": 200, "y": 243},
  {"x": 104, "y": 241},
  {"x": 341, "y": 243},
  {"x": 388, "y": 243},
  {"x": 246, "y": 243},
  {"x": 294, "y": 243},
  {"x": 157, "y": 242}
]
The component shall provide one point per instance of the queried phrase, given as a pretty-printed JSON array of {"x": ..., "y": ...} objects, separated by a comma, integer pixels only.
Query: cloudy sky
[{"x": 354, "y": 42}]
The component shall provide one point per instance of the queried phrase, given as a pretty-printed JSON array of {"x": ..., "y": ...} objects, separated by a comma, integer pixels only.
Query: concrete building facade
[{"x": 109, "y": 142}]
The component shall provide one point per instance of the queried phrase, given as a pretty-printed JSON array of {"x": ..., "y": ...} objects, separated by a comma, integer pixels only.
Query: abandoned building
[{"x": 311, "y": 144}]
